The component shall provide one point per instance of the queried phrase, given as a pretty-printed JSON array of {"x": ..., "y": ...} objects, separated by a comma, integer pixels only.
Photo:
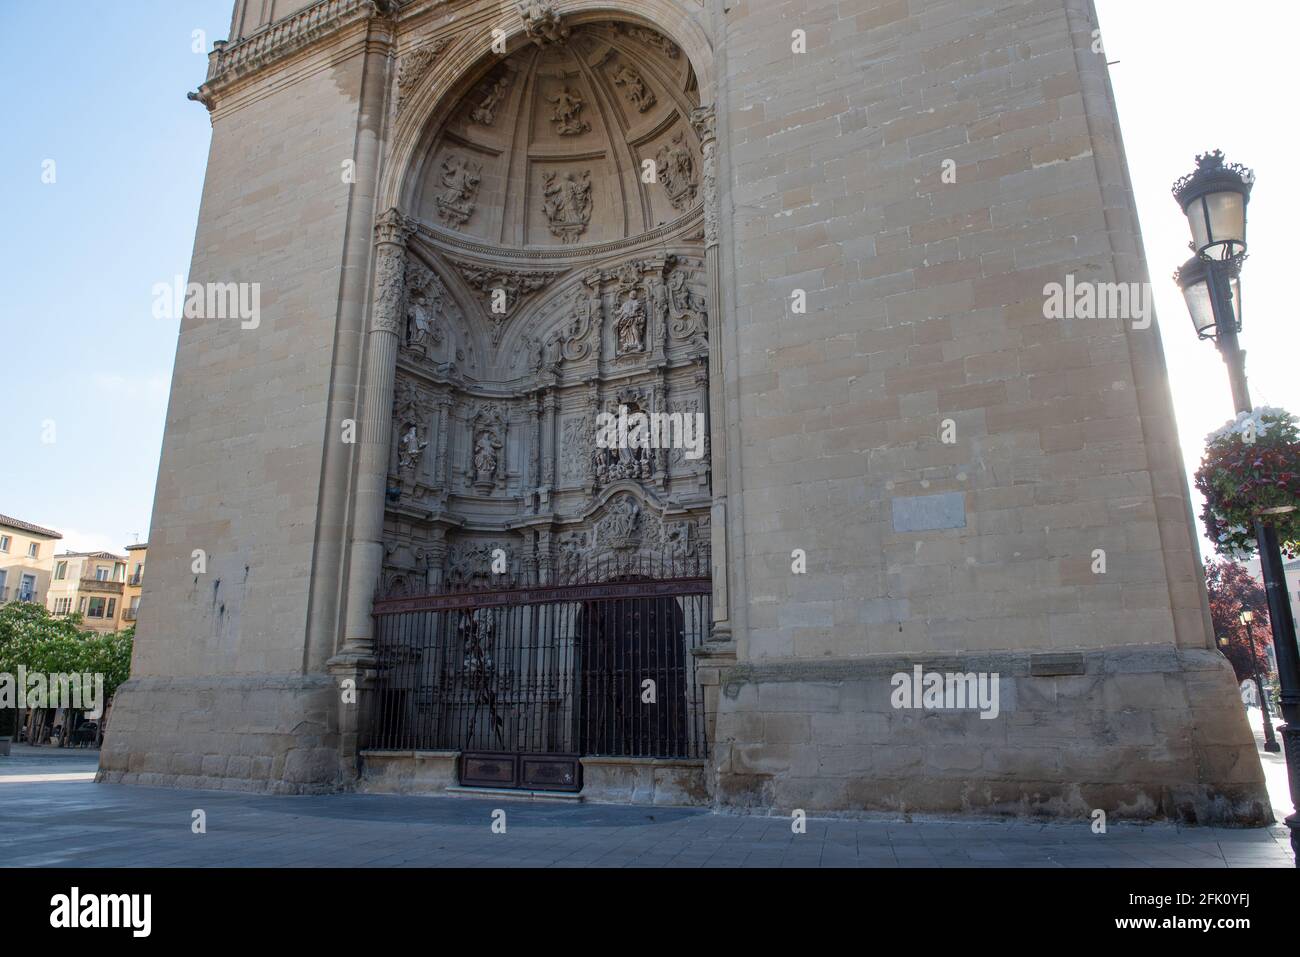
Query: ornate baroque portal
[{"x": 553, "y": 263}]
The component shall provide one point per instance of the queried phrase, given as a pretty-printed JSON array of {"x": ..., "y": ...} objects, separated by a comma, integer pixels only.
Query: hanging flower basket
[{"x": 1251, "y": 470}]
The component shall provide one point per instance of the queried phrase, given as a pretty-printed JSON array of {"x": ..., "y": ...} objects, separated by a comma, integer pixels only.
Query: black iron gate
[{"x": 523, "y": 681}]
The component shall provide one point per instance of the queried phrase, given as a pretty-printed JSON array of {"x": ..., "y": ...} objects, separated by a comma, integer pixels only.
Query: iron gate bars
[{"x": 598, "y": 664}]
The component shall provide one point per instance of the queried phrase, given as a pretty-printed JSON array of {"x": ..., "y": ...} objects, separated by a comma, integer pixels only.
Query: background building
[
  {"x": 842, "y": 259},
  {"x": 26, "y": 560},
  {"x": 135, "y": 557},
  {"x": 92, "y": 584}
]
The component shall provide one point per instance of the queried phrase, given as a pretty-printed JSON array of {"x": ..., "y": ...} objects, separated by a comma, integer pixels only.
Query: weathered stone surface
[{"x": 948, "y": 460}]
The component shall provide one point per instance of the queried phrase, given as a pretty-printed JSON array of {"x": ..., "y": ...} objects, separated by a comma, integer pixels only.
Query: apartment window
[
  {"x": 4, "y": 543},
  {"x": 62, "y": 606},
  {"x": 60, "y": 571},
  {"x": 119, "y": 572},
  {"x": 28, "y": 588},
  {"x": 34, "y": 550},
  {"x": 101, "y": 573},
  {"x": 96, "y": 609},
  {"x": 112, "y": 607}
]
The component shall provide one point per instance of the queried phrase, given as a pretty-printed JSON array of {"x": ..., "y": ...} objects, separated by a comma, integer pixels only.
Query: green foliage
[{"x": 38, "y": 641}]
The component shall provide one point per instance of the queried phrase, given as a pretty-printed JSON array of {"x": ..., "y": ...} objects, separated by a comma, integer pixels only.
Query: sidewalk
[{"x": 80, "y": 824}]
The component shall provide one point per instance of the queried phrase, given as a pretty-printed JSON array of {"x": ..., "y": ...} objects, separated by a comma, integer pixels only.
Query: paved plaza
[{"x": 52, "y": 814}]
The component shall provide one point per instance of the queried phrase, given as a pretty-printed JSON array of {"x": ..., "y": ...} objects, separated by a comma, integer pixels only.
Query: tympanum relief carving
[
  {"x": 485, "y": 113},
  {"x": 460, "y": 177},
  {"x": 567, "y": 203},
  {"x": 567, "y": 115}
]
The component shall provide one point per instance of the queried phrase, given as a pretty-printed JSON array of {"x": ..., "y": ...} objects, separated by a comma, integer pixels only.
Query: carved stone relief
[
  {"x": 650, "y": 38},
  {"x": 567, "y": 115},
  {"x": 460, "y": 177},
  {"x": 487, "y": 465},
  {"x": 566, "y": 200},
  {"x": 542, "y": 24},
  {"x": 638, "y": 93},
  {"x": 676, "y": 171},
  {"x": 485, "y": 113},
  {"x": 478, "y": 563},
  {"x": 503, "y": 288},
  {"x": 414, "y": 67}
]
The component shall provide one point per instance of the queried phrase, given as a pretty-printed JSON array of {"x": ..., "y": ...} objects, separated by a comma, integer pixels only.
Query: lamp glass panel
[{"x": 1200, "y": 307}]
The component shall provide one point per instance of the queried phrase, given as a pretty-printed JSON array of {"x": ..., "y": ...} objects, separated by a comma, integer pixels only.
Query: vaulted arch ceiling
[{"x": 551, "y": 146}]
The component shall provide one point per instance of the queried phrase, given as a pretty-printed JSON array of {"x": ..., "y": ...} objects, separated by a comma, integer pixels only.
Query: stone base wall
[
  {"x": 408, "y": 772},
  {"x": 1141, "y": 733},
  {"x": 665, "y": 781},
  {"x": 273, "y": 733}
]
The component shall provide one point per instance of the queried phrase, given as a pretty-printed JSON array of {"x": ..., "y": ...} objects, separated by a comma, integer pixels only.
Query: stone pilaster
[
  {"x": 704, "y": 120},
  {"x": 367, "y": 552}
]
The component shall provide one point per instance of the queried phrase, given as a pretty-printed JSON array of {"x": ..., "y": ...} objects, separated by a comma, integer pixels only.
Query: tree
[
  {"x": 1232, "y": 591},
  {"x": 32, "y": 638}
]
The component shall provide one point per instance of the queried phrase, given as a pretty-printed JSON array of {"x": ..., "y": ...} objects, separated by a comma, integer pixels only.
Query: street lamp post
[
  {"x": 1214, "y": 198},
  {"x": 1270, "y": 739}
]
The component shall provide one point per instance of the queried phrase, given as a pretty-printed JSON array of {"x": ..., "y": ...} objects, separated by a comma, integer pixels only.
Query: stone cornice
[{"x": 230, "y": 62}]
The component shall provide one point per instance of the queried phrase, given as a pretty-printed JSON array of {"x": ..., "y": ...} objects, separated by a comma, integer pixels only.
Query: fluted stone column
[
  {"x": 703, "y": 120},
  {"x": 367, "y": 552}
]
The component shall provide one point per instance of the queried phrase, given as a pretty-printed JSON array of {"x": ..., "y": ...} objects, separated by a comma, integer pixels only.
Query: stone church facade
[{"x": 825, "y": 226}]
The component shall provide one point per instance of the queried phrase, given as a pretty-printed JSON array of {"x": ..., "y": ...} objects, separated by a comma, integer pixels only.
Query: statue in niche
[
  {"x": 461, "y": 178},
  {"x": 422, "y": 328},
  {"x": 487, "y": 452},
  {"x": 677, "y": 172},
  {"x": 638, "y": 93},
  {"x": 410, "y": 448},
  {"x": 485, "y": 114},
  {"x": 568, "y": 106},
  {"x": 567, "y": 204},
  {"x": 631, "y": 326}
]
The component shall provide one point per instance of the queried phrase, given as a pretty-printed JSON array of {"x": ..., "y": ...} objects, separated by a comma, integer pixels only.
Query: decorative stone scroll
[{"x": 415, "y": 66}]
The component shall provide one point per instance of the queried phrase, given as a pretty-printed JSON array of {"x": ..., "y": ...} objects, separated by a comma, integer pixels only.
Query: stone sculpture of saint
[
  {"x": 485, "y": 456},
  {"x": 631, "y": 325}
]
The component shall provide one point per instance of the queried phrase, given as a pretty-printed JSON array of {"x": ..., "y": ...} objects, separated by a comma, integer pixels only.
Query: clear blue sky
[{"x": 99, "y": 87}]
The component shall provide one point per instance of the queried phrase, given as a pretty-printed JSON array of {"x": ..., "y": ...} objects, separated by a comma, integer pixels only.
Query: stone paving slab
[{"x": 80, "y": 824}]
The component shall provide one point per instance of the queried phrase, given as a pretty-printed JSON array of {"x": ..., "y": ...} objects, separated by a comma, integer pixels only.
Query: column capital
[
  {"x": 393, "y": 228},
  {"x": 704, "y": 120}
]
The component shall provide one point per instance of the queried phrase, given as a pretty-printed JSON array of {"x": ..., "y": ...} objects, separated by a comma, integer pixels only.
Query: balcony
[
  {"x": 18, "y": 595},
  {"x": 135, "y": 580},
  {"x": 101, "y": 586}
]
